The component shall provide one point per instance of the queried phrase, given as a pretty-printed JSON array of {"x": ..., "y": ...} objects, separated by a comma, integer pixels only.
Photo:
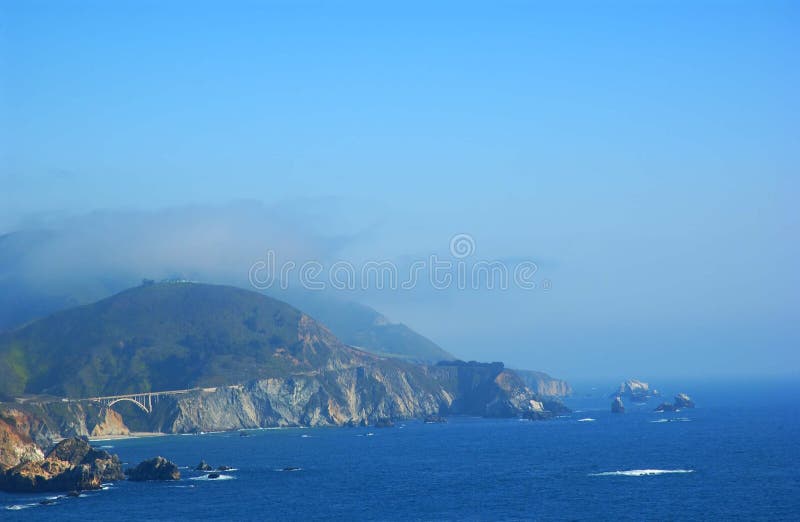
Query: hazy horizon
[{"x": 643, "y": 158}]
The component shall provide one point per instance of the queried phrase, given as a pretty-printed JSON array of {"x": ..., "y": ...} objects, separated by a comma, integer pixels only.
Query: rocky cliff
[
  {"x": 360, "y": 395},
  {"x": 16, "y": 443},
  {"x": 491, "y": 390},
  {"x": 544, "y": 385},
  {"x": 366, "y": 394},
  {"x": 373, "y": 391}
]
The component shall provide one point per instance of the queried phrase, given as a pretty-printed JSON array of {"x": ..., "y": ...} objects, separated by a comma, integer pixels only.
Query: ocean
[{"x": 734, "y": 457}]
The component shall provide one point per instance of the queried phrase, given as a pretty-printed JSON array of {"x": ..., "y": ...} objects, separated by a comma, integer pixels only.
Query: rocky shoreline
[
  {"x": 72, "y": 465},
  {"x": 361, "y": 395}
]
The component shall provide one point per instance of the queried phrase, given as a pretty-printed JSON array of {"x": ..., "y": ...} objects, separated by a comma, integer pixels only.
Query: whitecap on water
[
  {"x": 587, "y": 419},
  {"x": 640, "y": 472},
  {"x": 17, "y": 507},
  {"x": 221, "y": 477}
]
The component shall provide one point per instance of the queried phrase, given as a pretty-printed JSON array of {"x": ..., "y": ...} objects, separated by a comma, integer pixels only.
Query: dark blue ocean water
[{"x": 736, "y": 456}]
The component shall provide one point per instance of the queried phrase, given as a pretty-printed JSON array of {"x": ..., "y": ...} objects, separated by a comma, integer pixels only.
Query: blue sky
[{"x": 645, "y": 153}]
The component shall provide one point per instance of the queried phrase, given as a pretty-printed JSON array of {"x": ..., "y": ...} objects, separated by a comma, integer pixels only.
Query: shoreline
[{"x": 131, "y": 435}]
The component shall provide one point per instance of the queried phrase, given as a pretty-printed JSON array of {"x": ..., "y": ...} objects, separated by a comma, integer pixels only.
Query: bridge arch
[{"x": 146, "y": 407}]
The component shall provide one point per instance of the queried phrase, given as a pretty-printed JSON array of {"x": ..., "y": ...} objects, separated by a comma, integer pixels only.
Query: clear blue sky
[{"x": 645, "y": 152}]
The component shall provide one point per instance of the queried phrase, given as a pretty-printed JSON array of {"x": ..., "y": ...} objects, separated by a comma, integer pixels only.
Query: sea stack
[
  {"x": 617, "y": 406},
  {"x": 683, "y": 401},
  {"x": 158, "y": 468}
]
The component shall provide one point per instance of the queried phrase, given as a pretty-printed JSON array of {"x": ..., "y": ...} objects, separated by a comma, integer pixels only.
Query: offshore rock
[
  {"x": 635, "y": 390},
  {"x": 683, "y": 401},
  {"x": 617, "y": 406},
  {"x": 157, "y": 468}
]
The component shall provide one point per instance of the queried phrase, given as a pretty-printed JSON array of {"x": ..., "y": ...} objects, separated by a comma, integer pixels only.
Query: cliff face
[
  {"x": 357, "y": 395},
  {"x": 543, "y": 385},
  {"x": 364, "y": 389},
  {"x": 490, "y": 390},
  {"x": 45, "y": 423},
  {"x": 16, "y": 444},
  {"x": 350, "y": 396},
  {"x": 109, "y": 423}
]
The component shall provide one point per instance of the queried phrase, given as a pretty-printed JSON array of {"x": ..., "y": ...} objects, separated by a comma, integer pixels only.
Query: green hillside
[{"x": 161, "y": 337}]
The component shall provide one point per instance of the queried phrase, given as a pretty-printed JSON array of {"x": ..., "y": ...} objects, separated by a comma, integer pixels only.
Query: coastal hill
[
  {"x": 363, "y": 327},
  {"x": 24, "y": 299},
  {"x": 286, "y": 368},
  {"x": 162, "y": 337}
]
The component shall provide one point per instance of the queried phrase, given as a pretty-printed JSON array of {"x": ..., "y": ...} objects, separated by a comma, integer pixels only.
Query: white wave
[
  {"x": 221, "y": 477},
  {"x": 640, "y": 472},
  {"x": 370, "y": 434},
  {"x": 17, "y": 507},
  {"x": 659, "y": 421},
  {"x": 305, "y": 436},
  {"x": 587, "y": 419}
]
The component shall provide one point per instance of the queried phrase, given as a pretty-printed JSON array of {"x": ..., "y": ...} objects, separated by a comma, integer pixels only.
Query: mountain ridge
[{"x": 292, "y": 370}]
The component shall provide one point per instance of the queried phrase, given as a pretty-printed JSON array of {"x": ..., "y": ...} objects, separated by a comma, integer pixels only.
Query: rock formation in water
[
  {"x": 617, "y": 406},
  {"x": 157, "y": 468},
  {"x": 681, "y": 401},
  {"x": 72, "y": 465},
  {"x": 635, "y": 390}
]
